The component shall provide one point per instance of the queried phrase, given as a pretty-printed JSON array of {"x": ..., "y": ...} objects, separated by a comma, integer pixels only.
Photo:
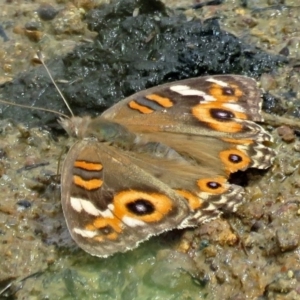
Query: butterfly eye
[
  {"x": 228, "y": 91},
  {"x": 213, "y": 185},
  {"x": 221, "y": 114},
  {"x": 106, "y": 230},
  {"x": 141, "y": 207},
  {"x": 235, "y": 158}
]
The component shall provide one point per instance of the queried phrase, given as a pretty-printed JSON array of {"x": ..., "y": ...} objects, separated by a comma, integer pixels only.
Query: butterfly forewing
[
  {"x": 111, "y": 204},
  {"x": 176, "y": 103},
  {"x": 210, "y": 118}
]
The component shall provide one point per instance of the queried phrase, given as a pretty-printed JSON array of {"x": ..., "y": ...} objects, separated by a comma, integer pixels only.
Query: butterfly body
[{"x": 160, "y": 159}]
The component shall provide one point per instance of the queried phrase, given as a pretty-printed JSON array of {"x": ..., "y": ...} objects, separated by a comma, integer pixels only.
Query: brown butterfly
[{"x": 160, "y": 159}]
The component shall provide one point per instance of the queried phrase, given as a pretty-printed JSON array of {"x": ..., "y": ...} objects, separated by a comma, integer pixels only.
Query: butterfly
[{"x": 161, "y": 159}]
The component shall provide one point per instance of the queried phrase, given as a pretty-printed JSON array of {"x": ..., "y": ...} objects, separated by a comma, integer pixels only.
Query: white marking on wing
[
  {"x": 75, "y": 203},
  {"x": 81, "y": 204},
  {"x": 234, "y": 107},
  {"x": 185, "y": 90},
  {"x": 111, "y": 207},
  {"x": 218, "y": 82},
  {"x": 131, "y": 222},
  {"x": 85, "y": 233}
]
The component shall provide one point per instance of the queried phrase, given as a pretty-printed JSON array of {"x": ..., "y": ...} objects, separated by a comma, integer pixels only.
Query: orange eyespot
[
  {"x": 234, "y": 160},
  {"x": 215, "y": 185},
  {"x": 230, "y": 93},
  {"x": 218, "y": 117},
  {"x": 106, "y": 228},
  {"x": 147, "y": 207}
]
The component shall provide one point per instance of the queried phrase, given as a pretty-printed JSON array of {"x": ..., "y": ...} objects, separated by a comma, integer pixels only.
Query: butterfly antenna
[
  {"x": 34, "y": 108},
  {"x": 40, "y": 57}
]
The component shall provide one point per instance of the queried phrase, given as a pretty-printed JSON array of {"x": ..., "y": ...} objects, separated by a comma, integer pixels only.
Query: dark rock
[{"x": 47, "y": 12}]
